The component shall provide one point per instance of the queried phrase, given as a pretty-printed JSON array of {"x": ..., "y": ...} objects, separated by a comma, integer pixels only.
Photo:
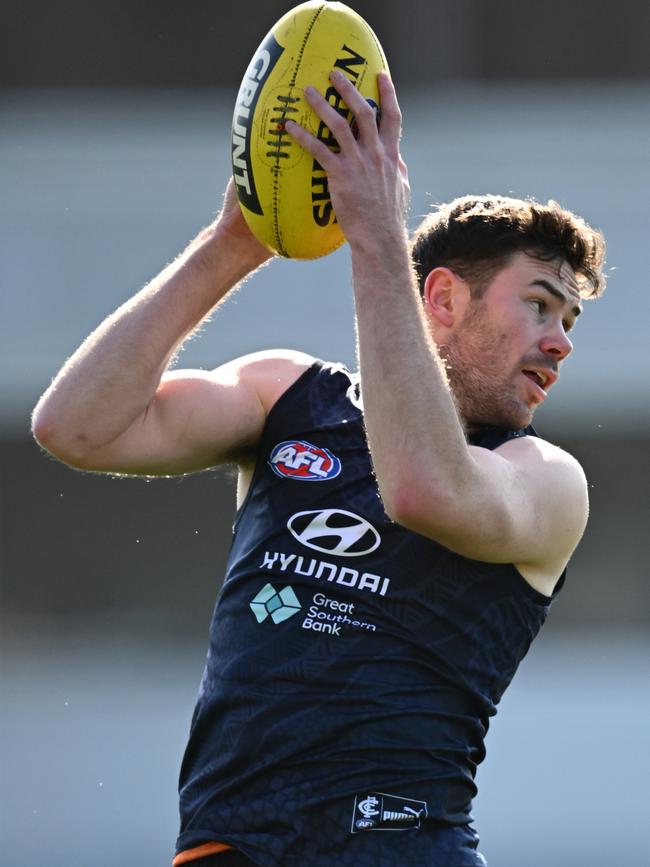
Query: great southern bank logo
[
  {"x": 304, "y": 462},
  {"x": 334, "y": 531},
  {"x": 279, "y": 605}
]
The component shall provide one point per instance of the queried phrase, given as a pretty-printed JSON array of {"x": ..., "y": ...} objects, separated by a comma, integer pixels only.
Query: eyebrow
[{"x": 577, "y": 310}]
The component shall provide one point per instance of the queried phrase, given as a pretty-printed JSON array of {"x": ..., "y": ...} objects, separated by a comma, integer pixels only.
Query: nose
[{"x": 557, "y": 343}]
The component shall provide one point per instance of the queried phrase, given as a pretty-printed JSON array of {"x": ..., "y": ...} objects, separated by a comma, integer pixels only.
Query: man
[{"x": 371, "y": 615}]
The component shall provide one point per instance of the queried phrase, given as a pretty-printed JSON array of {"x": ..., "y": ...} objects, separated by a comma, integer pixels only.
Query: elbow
[
  {"x": 42, "y": 427},
  {"x": 423, "y": 508},
  {"x": 405, "y": 502},
  {"x": 53, "y": 436},
  {"x": 398, "y": 503}
]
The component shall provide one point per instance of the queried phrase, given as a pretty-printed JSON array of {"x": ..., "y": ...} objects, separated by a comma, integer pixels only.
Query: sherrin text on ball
[{"x": 282, "y": 190}]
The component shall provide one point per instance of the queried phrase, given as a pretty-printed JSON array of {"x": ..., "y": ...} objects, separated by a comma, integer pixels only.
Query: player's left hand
[
  {"x": 232, "y": 222},
  {"x": 368, "y": 179}
]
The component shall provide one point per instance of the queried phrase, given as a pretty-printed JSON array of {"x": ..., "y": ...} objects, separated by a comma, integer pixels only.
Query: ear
[{"x": 445, "y": 296}]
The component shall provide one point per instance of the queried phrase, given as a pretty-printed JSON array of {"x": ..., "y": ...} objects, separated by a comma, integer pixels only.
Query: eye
[{"x": 539, "y": 305}]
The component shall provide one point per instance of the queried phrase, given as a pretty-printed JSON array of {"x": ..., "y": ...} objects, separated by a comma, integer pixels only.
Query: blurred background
[{"x": 114, "y": 124}]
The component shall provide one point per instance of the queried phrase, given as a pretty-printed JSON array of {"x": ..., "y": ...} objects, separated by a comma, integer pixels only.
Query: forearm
[
  {"x": 414, "y": 431},
  {"x": 111, "y": 379},
  {"x": 410, "y": 415}
]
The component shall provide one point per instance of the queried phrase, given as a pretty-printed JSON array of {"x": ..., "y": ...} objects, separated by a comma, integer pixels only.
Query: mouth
[{"x": 542, "y": 379}]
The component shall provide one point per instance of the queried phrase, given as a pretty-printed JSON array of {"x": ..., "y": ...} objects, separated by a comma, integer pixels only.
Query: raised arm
[
  {"x": 113, "y": 407},
  {"x": 524, "y": 504}
]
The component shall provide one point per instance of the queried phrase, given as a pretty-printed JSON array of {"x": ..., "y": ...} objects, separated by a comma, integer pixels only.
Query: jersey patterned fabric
[{"x": 353, "y": 665}]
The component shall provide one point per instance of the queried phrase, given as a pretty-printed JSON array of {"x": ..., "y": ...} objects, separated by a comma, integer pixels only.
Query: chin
[
  {"x": 515, "y": 413},
  {"x": 518, "y": 418},
  {"x": 492, "y": 405},
  {"x": 524, "y": 421},
  {"x": 508, "y": 418}
]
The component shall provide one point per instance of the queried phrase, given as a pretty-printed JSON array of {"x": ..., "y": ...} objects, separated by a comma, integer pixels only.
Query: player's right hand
[{"x": 367, "y": 177}]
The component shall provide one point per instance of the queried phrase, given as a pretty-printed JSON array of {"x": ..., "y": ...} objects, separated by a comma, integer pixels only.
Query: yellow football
[{"x": 282, "y": 190}]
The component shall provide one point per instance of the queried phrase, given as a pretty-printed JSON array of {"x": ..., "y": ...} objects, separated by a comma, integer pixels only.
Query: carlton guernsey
[{"x": 353, "y": 665}]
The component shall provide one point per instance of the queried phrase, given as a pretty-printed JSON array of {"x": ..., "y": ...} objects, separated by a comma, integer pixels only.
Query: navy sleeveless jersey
[{"x": 353, "y": 665}]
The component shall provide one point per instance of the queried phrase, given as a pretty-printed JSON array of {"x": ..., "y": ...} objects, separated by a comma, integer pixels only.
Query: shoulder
[
  {"x": 556, "y": 491},
  {"x": 269, "y": 373},
  {"x": 553, "y": 477},
  {"x": 537, "y": 455}
]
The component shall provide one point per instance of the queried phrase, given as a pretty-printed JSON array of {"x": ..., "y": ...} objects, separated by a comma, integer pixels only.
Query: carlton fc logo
[
  {"x": 300, "y": 460},
  {"x": 334, "y": 531},
  {"x": 378, "y": 811}
]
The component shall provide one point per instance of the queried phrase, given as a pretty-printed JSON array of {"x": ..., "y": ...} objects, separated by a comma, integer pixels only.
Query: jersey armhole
[
  {"x": 534, "y": 595},
  {"x": 284, "y": 398}
]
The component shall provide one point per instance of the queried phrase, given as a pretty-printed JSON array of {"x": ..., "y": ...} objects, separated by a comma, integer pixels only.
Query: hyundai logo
[{"x": 334, "y": 531}]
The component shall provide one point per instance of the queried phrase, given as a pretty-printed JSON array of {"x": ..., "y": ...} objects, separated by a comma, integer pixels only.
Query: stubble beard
[{"x": 483, "y": 390}]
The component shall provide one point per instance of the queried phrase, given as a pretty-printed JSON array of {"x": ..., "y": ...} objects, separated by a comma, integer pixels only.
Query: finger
[
  {"x": 365, "y": 115},
  {"x": 391, "y": 115},
  {"x": 336, "y": 122},
  {"x": 320, "y": 151}
]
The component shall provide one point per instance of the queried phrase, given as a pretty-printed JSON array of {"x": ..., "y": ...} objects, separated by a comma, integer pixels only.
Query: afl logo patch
[{"x": 300, "y": 460}]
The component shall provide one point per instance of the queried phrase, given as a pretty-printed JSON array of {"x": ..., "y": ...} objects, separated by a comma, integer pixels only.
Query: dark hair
[{"x": 476, "y": 236}]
